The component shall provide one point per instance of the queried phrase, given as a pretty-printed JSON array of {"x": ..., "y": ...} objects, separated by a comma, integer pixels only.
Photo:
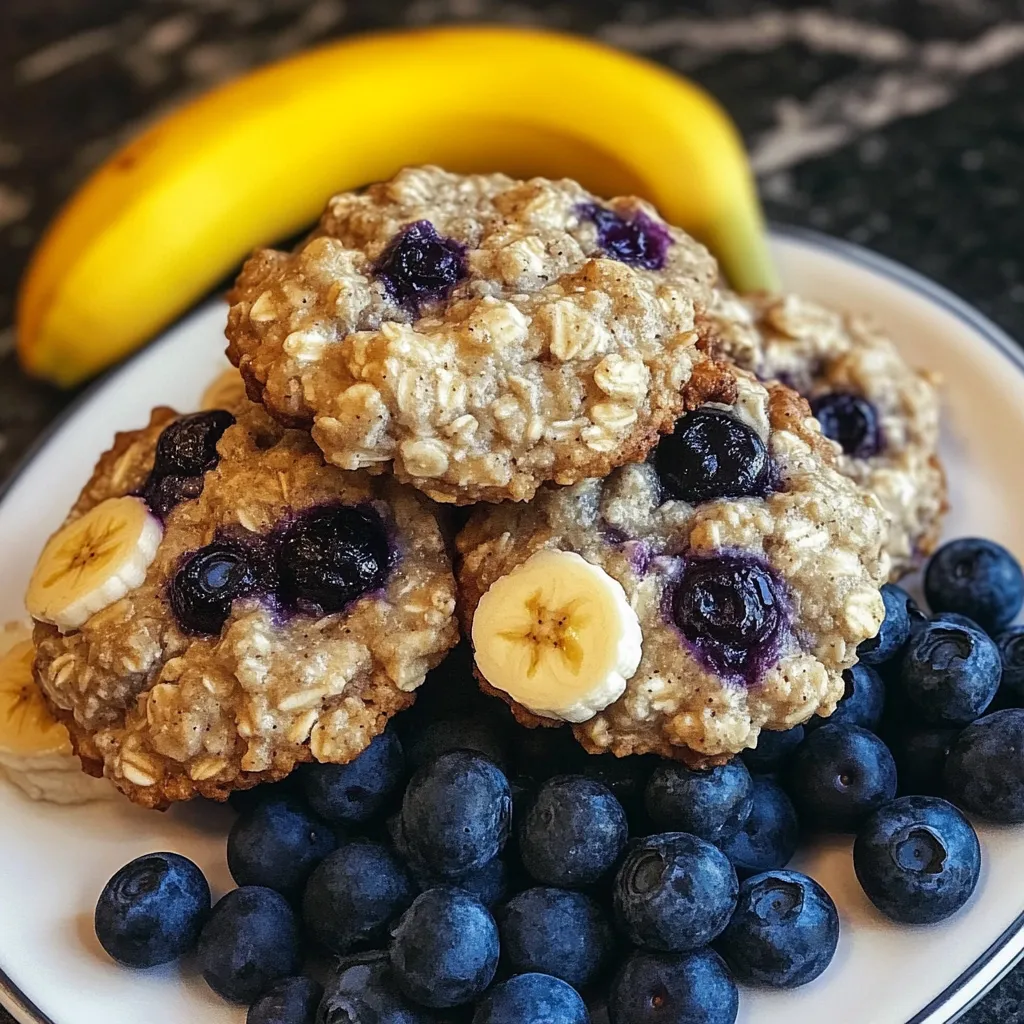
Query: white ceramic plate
[{"x": 55, "y": 861}]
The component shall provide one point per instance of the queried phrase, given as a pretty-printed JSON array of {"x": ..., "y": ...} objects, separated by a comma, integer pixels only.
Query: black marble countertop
[{"x": 898, "y": 124}]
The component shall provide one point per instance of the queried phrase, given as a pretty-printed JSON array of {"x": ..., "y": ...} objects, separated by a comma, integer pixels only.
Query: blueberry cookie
[
  {"x": 221, "y": 605},
  {"x": 481, "y": 335},
  {"x": 882, "y": 414},
  {"x": 681, "y": 605}
]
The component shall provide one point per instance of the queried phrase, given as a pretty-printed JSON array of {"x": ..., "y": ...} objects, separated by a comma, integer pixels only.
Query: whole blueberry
[
  {"x": 421, "y": 266},
  {"x": 209, "y": 580},
  {"x": 635, "y": 239},
  {"x": 839, "y": 775},
  {"x": 489, "y": 884},
  {"x": 894, "y": 631},
  {"x": 188, "y": 446},
  {"x": 365, "y": 992},
  {"x": 250, "y": 940},
  {"x": 673, "y": 988},
  {"x": 920, "y": 756},
  {"x": 863, "y": 700},
  {"x": 626, "y": 777},
  {"x": 711, "y": 454},
  {"x": 918, "y": 859},
  {"x": 331, "y": 556},
  {"x": 573, "y": 832},
  {"x": 769, "y": 837},
  {"x": 353, "y": 793},
  {"x": 288, "y": 1001},
  {"x": 487, "y": 734},
  {"x": 773, "y": 749},
  {"x": 277, "y": 843},
  {"x": 851, "y": 421},
  {"x": 557, "y": 932},
  {"x": 950, "y": 672},
  {"x": 977, "y": 578},
  {"x": 445, "y": 949},
  {"x": 151, "y": 911},
  {"x": 456, "y": 813},
  {"x": 242, "y": 800},
  {"x": 673, "y": 893},
  {"x": 1011, "y": 653},
  {"x": 985, "y": 769},
  {"x": 532, "y": 999},
  {"x": 711, "y": 804},
  {"x": 354, "y": 895}
]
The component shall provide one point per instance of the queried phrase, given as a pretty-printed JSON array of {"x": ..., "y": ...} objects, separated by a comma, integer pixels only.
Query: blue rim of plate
[{"x": 1008, "y": 949}]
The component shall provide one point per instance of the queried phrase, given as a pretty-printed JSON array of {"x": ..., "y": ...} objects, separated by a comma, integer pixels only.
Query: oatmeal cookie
[
  {"x": 222, "y": 605},
  {"x": 883, "y": 414},
  {"x": 751, "y": 565},
  {"x": 481, "y": 335}
]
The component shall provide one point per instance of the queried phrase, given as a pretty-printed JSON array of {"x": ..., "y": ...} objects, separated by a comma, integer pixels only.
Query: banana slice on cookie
[
  {"x": 93, "y": 561},
  {"x": 558, "y": 635}
]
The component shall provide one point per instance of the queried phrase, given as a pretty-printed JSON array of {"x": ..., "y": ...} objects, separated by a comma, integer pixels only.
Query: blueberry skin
[
  {"x": 839, "y": 775},
  {"x": 637, "y": 240},
  {"x": 277, "y": 843},
  {"x": 489, "y": 884},
  {"x": 626, "y": 777},
  {"x": 918, "y": 859},
  {"x": 444, "y": 951},
  {"x": 1011, "y": 653},
  {"x": 484, "y": 734},
  {"x": 355, "y": 894},
  {"x": 289, "y": 1001},
  {"x": 920, "y": 756},
  {"x": 419, "y": 265},
  {"x": 894, "y": 631},
  {"x": 851, "y": 421},
  {"x": 773, "y": 749},
  {"x": 250, "y": 940},
  {"x": 784, "y": 932},
  {"x": 769, "y": 837},
  {"x": 984, "y": 772},
  {"x": 152, "y": 909},
  {"x": 711, "y": 804},
  {"x": 573, "y": 832},
  {"x": 977, "y": 578},
  {"x": 365, "y": 992},
  {"x": 863, "y": 701},
  {"x": 456, "y": 814},
  {"x": 532, "y": 999},
  {"x": 353, "y": 793},
  {"x": 242, "y": 800},
  {"x": 555, "y": 931},
  {"x": 673, "y": 988},
  {"x": 188, "y": 446},
  {"x": 674, "y": 893},
  {"x": 950, "y": 672}
]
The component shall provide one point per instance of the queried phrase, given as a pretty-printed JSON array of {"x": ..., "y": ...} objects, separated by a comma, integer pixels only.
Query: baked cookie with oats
[
  {"x": 883, "y": 414},
  {"x": 221, "y": 605},
  {"x": 477, "y": 335},
  {"x": 681, "y": 605}
]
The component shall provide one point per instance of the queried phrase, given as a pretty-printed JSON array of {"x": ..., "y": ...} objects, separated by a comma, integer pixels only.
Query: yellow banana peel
[{"x": 253, "y": 162}]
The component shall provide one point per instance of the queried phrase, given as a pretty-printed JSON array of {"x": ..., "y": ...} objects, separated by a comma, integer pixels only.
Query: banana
[
  {"x": 224, "y": 391},
  {"x": 253, "y": 161},
  {"x": 558, "y": 635},
  {"x": 92, "y": 562}
]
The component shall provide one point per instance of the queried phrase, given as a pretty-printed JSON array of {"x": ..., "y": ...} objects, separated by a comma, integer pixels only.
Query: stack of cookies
[{"x": 666, "y": 550}]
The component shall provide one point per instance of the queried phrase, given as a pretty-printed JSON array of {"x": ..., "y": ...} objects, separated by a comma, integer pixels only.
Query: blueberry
[
  {"x": 839, "y": 775},
  {"x": 711, "y": 454},
  {"x": 354, "y": 895},
  {"x": 188, "y": 446},
  {"x": 637, "y": 240},
  {"x": 532, "y": 999},
  {"x": 863, "y": 700},
  {"x": 769, "y": 837},
  {"x": 489, "y": 884},
  {"x": 711, "y": 804},
  {"x": 573, "y": 832},
  {"x": 331, "y": 556},
  {"x": 151, "y": 911},
  {"x": 977, "y": 578},
  {"x": 673, "y": 893},
  {"x": 784, "y": 932},
  {"x": 673, "y": 988},
  {"x": 364, "y": 992},
  {"x": 920, "y": 756},
  {"x": 918, "y": 859},
  {"x": 484, "y": 733},
  {"x": 557, "y": 932},
  {"x": 421, "y": 266},
  {"x": 626, "y": 777},
  {"x": 895, "y": 629},
  {"x": 210, "y": 579},
  {"x": 773, "y": 749},
  {"x": 984, "y": 772},
  {"x": 163, "y": 493},
  {"x": 242, "y": 800},
  {"x": 950, "y": 672},
  {"x": 250, "y": 941},
  {"x": 456, "y": 813},
  {"x": 730, "y": 609},
  {"x": 850, "y": 420},
  {"x": 353, "y": 793},
  {"x": 1011, "y": 653},
  {"x": 445, "y": 949},
  {"x": 289, "y": 1001}
]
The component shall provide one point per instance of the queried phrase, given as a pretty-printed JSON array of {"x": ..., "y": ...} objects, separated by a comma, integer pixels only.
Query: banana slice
[
  {"x": 558, "y": 635},
  {"x": 27, "y": 729},
  {"x": 92, "y": 562},
  {"x": 224, "y": 392}
]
